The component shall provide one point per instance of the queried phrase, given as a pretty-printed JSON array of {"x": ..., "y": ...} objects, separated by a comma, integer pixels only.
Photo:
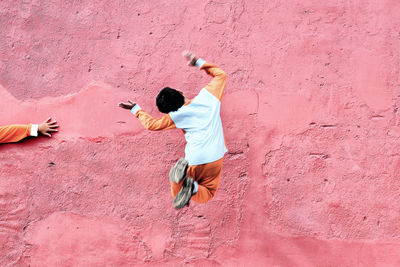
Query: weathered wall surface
[{"x": 310, "y": 116}]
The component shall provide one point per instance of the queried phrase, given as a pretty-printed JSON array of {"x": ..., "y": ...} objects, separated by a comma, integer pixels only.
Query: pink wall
[{"x": 310, "y": 116}]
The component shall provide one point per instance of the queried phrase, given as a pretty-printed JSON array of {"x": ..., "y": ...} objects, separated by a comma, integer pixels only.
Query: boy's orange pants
[{"x": 207, "y": 176}]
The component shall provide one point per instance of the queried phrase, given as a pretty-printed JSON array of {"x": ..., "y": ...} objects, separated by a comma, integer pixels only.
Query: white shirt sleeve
[
  {"x": 200, "y": 62},
  {"x": 135, "y": 109},
  {"x": 34, "y": 130}
]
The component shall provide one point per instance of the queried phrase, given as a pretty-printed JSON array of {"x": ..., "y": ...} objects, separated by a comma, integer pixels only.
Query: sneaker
[
  {"x": 183, "y": 197},
  {"x": 178, "y": 172}
]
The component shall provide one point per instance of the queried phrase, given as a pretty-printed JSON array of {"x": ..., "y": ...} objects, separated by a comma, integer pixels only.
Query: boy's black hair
[{"x": 169, "y": 100}]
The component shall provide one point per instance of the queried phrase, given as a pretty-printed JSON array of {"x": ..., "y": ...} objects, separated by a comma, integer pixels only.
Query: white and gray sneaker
[
  {"x": 182, "y": 199},
  {"x": 178, "y": 172}
]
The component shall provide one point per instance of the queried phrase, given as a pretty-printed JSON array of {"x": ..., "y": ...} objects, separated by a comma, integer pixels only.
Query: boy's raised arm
[{"x": 217, "y": 84}]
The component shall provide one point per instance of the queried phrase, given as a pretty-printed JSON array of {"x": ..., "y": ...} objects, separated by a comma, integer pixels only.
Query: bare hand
[
  {"x": 47, "y": 127},
  {"x": 190, "y": 57},
  {"x": 128, "y": 105}
]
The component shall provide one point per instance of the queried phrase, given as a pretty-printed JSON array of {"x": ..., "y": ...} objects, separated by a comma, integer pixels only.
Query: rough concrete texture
[{"x": 310, "y": 116}]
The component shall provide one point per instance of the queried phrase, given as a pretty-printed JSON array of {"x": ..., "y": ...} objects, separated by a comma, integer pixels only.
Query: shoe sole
[
  {"x": 183, "y": 197},
  {"x": 178, "y": 172}
]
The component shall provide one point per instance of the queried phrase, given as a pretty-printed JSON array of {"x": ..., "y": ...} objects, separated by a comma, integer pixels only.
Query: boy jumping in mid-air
[
  {"x": 197, "y": 175},
  {"x": 17, "y": 132}
]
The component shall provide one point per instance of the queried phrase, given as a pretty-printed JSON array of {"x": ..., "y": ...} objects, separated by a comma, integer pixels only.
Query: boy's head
[{"x": 169, "y": 100}]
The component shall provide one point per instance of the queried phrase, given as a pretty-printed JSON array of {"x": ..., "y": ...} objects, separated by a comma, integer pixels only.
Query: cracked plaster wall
[{"x": 310, "y": 116}]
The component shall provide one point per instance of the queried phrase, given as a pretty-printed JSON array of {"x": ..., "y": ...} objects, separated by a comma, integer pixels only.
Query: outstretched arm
[
  {"x": 217, "y": 84},
  {"x": 148, "y": 122},
  {"x": 17, "y": 132}
]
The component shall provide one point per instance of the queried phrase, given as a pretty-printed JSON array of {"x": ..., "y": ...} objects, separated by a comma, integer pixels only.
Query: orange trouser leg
[
  {"x": 207, "y": 176},
  {"x": 175, "y": 188}
]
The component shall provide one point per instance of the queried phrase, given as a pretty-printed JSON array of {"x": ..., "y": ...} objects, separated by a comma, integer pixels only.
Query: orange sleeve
[
  {"x": 217, "y": 84},
  {"x": 152, "y": 124},
  {"x": 14, "y": 133}
]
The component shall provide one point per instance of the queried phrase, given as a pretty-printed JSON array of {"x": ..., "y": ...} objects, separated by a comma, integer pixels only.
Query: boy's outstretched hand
[
  {"x": 191, "y": 58},
  {"x": 128, "y": 105},
  {"x": 47, "y": 127}
]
